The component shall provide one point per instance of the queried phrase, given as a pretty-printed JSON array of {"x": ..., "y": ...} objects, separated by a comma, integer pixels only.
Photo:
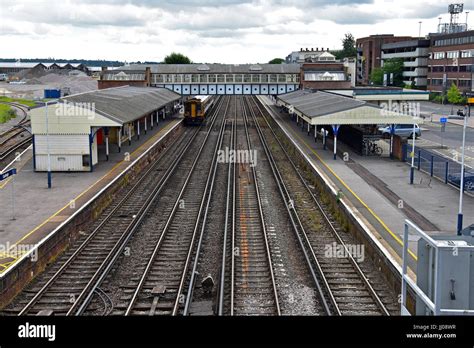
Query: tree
[
  {"x": 394, "y": 66},
  {"x": 348, "y": 46},
  {"x": 177, "y": 58},
  {"x": 377, "y": 76},
  {"x": 454, "y": 96},
  {"x": 276, "y": 61}
]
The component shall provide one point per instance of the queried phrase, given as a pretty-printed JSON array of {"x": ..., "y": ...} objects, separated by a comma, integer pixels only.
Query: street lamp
[{"x": 461, "y": 183}]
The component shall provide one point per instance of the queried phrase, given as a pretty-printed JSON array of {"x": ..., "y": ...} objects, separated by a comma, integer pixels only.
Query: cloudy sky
[{"x": 226, "y": 31}]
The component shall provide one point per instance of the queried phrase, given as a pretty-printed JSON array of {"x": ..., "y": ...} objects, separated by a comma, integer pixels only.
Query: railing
[{"x": 442, "y": 168}]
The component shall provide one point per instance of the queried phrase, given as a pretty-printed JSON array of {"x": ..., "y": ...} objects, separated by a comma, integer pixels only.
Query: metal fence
[{"x": 440, "y": 167}]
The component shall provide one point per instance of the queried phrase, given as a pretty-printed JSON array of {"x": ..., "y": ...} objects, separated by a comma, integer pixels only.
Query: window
[
  {"x": 264, "y": 78},
  {"x": 273, "y": 78},
  {"x": 281, "y": 78},
  {"x": 229, "y": 78},
  {"x": 178, "y": 78},
  {"x": 451, "y": 68},
  {"x": 168, "y": 78},
  {"x": 187, "y": 78},
  {"x": 464, "y": 83},
  {"x": 438, "y": 55},
  {"x": 238, "y": 78},
  {"x": 465, "y": 68},
  {"x": 220, "y": 78},
  {"x": 247, "y": 78},
  {"x": 467, "y": 54},
  {"x": 437, "y": 68},
  {"x": 159, "y": 78},
  {"x": 436, "y": 82},
  {"x": 203, "y": 78},
  {"x": 256, "y": 78},
  {"x": 86, "y": 160},
  {"x": 194, "y": 78},
  {"x": 453, "y": 54},
  {"x": 212, "y": 78}
]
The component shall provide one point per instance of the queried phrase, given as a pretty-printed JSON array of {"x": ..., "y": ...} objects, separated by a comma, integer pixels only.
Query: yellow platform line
[
  {"x": 87, "y": 189},
  {"x": 393, "y": 235}
]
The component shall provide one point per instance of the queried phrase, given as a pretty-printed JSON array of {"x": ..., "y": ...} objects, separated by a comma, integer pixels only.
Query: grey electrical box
[{"x": 452, "y": 281}]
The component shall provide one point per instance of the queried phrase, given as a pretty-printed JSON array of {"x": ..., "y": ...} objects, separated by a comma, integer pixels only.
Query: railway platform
[
  {"x": 379, "y": 190},
  {"x": 39, "y": 211}
]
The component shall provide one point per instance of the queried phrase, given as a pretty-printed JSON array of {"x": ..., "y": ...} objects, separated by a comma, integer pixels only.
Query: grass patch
[
  {"x": 26, "y": 102},
  {"x": 6, "y": 113}
]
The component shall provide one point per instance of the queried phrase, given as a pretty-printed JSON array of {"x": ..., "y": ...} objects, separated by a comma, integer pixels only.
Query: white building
[{"x": 312, "y": 55}]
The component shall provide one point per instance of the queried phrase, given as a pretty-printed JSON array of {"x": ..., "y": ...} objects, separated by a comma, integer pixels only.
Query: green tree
[
  {"x": 348, "y": 46},
  {"x": 177, "y": 58},
  {"x": 377, "y": 76},
  {"x": 454, "y": 96},
  {"x": 276, "y": 61},
  {"x": 394, "y": 66}
]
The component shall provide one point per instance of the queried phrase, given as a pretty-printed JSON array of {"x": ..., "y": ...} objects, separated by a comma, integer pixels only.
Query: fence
[{"x": 440, "y": 167}]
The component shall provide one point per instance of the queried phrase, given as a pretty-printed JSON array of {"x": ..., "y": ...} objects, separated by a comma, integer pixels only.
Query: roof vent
[
  {"x": 255, "y": 68},
  {"x": 203, "y": 67}
]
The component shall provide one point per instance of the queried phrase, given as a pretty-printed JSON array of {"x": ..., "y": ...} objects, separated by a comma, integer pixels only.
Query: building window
[
  {"x": 159, "y": 78},
  {"x": 282, "y": 78},
  {"x": 437, "y": 68},
  {"x": 256, "y": 78},
  {"x": 178, "y": 78},
  {"x": 229, "y": 78},
  {"x": 436, "y": 82},
  {"x": 203, "y": 78},
  {"x": 464, "y": 83},
  {"x": 168, "y": 78},
  {"x": 187, "y": 78},
  {"x": 467, "y": 54},
  {"x": 220, "y": 78},
  {"x": 438, "y": 55},
  {"x": 238, "y": 78},
  {"x": 212, "y": 78},
  {"x": 453, "y": 54},
  {"x": 264, "y": 78},
  {"x": 451, "y": 68},
  {"x": 247, "y": 78},
  {"x": 273, "y": 78},
  {"x": 465, "y": 68},
  {"x": 194, "y": 78}
]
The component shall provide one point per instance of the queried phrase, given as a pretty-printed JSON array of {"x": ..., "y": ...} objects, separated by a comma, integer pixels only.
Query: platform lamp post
[
  {"x": 461, "y": 183},
  {"x": 47, "y": 148},
  {"x": 412, "y": 169}
]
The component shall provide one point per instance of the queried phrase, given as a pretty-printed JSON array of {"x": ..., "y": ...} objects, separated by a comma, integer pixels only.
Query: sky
[{"x": 207, "y": 31}]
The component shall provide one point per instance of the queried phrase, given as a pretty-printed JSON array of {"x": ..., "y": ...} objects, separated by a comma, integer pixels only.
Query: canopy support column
[
  {"x": 119, "y": 139},
  {"x": 392, "y": 132},
  {"x": 146, "y": 125},
  {"x": 315, "y": 133},
  {"x": 335, "y": 129},
  {"x": 151, "y": 120},
  {"x": 106, "y": 131}
]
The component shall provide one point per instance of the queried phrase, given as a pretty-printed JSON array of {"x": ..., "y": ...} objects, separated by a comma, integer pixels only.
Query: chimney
[
  {"x": 317, "y": 49},
  {"x": 103, "y": 68},
  {"x": 328, "y": 49},
  {"x": 312, "y": 49},
  {"x": 307, "y": 49},
  {"x": 301, "y": 49}
]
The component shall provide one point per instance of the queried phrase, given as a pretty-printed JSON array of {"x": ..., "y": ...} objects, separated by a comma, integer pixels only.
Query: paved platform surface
[
  {"x": 39, "y": 210},
  {"x": 377, "y": 186}
]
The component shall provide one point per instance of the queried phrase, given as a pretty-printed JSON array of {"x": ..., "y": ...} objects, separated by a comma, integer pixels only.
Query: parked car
[
  {"x": 402, "y": 130},
  {"x": 455, "y": 179}
]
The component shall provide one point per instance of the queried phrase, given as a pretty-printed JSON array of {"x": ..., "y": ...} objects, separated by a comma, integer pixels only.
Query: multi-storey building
[
  {"x": 309, "y": 55},
  {"x": 415, "y": 55},
  {"x": 451, "y": 61},
  {"x": 369, "y": 54}
]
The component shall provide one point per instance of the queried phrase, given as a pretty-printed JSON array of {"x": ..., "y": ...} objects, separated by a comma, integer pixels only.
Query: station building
[{"x": 75, "y": 129}]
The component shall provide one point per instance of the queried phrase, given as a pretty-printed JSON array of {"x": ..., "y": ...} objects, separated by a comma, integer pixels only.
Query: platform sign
[
  {"x": 470, "y": 100},
  {"x": 7, "y": 174},
  {"x": 443, "y": 120}
]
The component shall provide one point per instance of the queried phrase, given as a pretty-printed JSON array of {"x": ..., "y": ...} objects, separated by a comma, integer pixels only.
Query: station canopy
[
  {"x": 125, "y": 104},
  {"x": 322, "y": 108}
]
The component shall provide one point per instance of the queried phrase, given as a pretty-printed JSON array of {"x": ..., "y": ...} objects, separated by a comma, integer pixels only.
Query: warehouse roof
[
  {"x": 327, "y": 108},
  {"x": 216, "y": 68},
  {"x": 125, "y": 104}
]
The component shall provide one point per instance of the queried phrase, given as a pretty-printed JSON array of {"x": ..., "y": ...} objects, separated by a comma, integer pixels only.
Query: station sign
[
  {"x": 443, "y": 120},
  {"x": 470, "y": 100},
  {"x": 7, "y": 174}
]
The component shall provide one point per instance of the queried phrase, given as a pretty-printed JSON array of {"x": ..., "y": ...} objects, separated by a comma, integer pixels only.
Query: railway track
[
  {"x": 251, "y": 288},
  {"x": 15, "y": 138},
  {"x": 68, "y": 287},
  {"x": 160, "y": 289},
  {"x": 343, "y": 286}
]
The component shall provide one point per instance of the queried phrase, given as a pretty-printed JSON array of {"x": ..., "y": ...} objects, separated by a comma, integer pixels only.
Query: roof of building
[
  {"x": 216, "y": 68},
  {"x": 20, "y": 65},
  {"x": 326, "y": 108},
  {"x": 125, "y": 104}
]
